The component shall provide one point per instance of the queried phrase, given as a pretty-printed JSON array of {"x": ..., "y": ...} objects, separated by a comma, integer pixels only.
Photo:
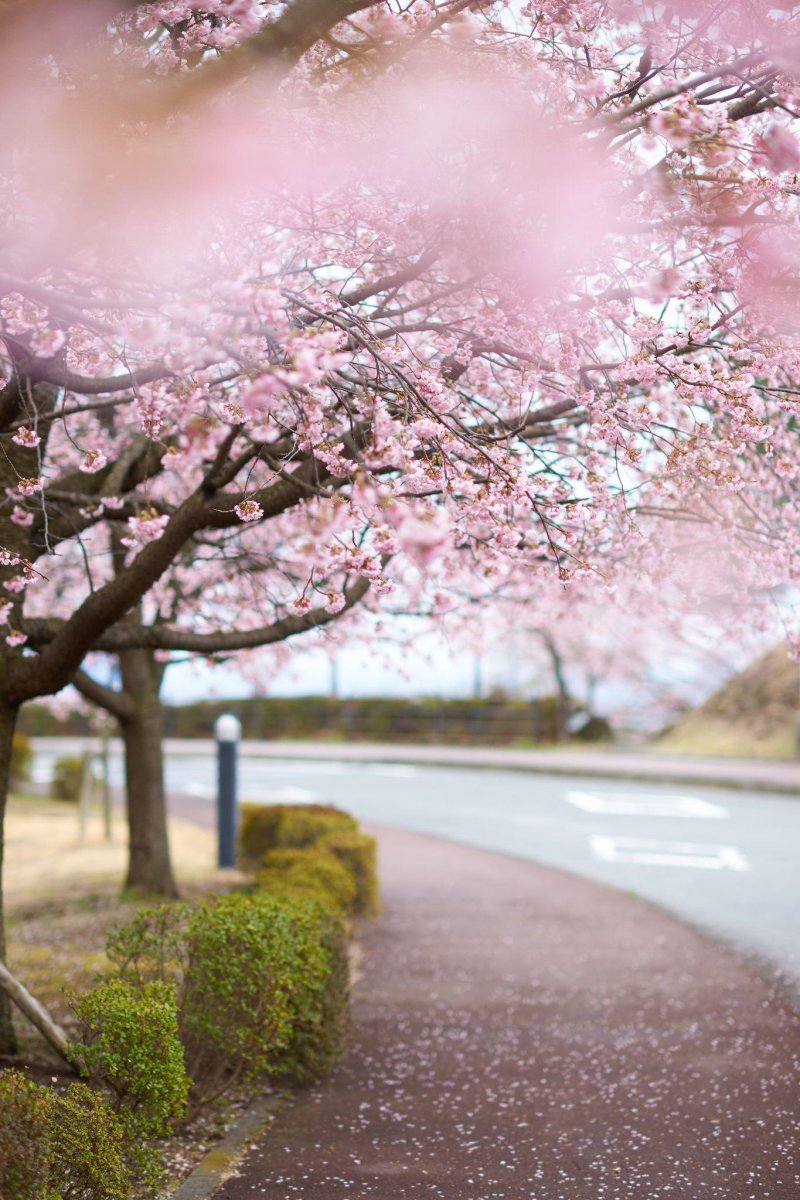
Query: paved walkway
[{"x": 521, "y": 1034}]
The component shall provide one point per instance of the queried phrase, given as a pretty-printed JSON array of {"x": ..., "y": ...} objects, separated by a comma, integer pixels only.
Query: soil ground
[{"x": 521, "y": 1033}]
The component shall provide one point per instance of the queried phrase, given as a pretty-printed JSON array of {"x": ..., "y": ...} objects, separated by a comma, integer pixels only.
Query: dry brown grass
[{"x": 63, "y": 895}]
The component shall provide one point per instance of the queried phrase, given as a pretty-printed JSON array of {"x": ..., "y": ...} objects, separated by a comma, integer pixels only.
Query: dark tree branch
[
  {"x": 89, "y": 385},
  {"x": 117, "y": 703},
  {"x": 128, "y": 636}
]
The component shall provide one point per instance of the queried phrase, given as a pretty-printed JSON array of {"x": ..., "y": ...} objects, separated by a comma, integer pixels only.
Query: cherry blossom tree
[
  {"x": 431, "y": 296},
  {"x": 225, "y": 590}
]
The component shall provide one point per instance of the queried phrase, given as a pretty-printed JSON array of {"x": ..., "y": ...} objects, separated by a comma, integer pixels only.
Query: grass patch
[{"x": 726, "y": 740}]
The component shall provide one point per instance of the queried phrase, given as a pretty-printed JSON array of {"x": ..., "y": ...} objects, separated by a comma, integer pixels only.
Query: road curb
[
  {"x": 593, "y": 770},
  {"x": 223, "y": 1160},
  {"x": 636, "y": 776}
]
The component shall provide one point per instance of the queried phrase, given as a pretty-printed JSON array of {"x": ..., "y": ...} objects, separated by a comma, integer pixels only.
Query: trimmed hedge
[
  {"x": 265, "y": 827},
  {"x": 248, "y": 958},
  {"x": 129, "y": 1044},
  {"x": 311, "y": 872},
  {"x": 301, "y": 827},
  {"x": 91, "y": 1154},
  {"x": 60, "y": 1147},
  {"x": 263, "y": 981},
  {"x": 358, "y": 853},
  {"x": 295, "y": 845},
  {"x": 24, "y": 1116},
  {"x": 250, "y": 984},
  {"x": 151, "y": 946},
  {"x": 320, "y": 1015}
]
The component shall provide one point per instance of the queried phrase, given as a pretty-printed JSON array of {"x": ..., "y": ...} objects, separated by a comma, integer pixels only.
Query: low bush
[
  {"x": 59, "y": 1147},
  {"x": 90, "y": 1152},
  {"x": 67, "y": 778},
  {"x": 258, "y": 830},
  {"x": 250, "y": 959},
  {"x": 301, "y": 827},
  {"x": 151, "y": 947},
  {"x": 312, "y": 872},
  {"x": 128, "y": 1043},
  {"x": 21, "y": 760},
  {"x": 262, "y": 980},
  {"x": 265, "y": 827},
  {"x": 320, "y": 1018},
  {"x": 358, "y": 854},
  {"x": 261, "y": 977},
  {"x": 24, "y": 1117}
]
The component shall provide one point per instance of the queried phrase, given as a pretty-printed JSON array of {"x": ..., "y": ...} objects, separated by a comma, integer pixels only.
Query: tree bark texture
[{"x": 149, "y": 861}]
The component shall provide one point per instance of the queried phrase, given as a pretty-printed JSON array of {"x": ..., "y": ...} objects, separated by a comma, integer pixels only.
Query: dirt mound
[
  {"x": 765, "y": 694},
  {"x": 754, "y": 713}
]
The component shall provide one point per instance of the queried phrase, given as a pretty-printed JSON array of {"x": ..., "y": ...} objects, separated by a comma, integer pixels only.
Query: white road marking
[
  {"x": 391, "y": 770},
  {"x": 288, "y": 795},
  {"x": 198, "y": 789},
  {"x": 643, "y": 804},
  {"x": 668, "y": 854}
]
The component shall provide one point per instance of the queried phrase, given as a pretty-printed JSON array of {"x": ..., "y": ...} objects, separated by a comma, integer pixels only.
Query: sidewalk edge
[
  {"x": 221, "y": 1162},
  {"x": 638, "y": 774}
]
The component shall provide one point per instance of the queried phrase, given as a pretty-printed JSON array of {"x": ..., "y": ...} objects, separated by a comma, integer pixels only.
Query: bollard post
[{"x": 227, "y": 730}]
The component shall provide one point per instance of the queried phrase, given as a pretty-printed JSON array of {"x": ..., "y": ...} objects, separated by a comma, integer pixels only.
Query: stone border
[{"x": 223, "y": 1160}]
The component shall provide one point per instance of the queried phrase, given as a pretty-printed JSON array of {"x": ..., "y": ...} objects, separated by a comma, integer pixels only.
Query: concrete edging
[{"x": 221, "y": 1162}]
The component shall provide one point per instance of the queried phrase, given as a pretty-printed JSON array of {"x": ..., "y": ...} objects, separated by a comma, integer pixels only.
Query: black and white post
[{"x": 228, "y": 731}]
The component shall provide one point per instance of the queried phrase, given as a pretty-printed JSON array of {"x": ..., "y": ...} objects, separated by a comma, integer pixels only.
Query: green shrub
[
  {"x": 250, "y": 960},
  {"x": 59, "y": 1147},
  {"x": 67, "y": 778},
  {"x": 129, "y": 1044},
  {"x": 21, "y": 759},
  {"x": 358, "y": 853},
  {"x": 265, "y": 827},
  {"x": 151, "y": 946},
  {"x": 258, "y": 830},
  {"x": 88, "y": 1148},
  {"x": 301, "y": 827},
  {"x": 24, "y": 1118},
  {"x": 320, "y": 1013},
  {"x": 313, "y": 872}
]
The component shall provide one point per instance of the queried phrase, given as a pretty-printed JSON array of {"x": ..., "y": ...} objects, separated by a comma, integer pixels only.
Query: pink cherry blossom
[
  {"x": 26, "y": 437},
  {"x": 315, "y": 343},
  {"x": 30, "y": 486},
  {"x": 249, "y": 510},
  {"x": 147, "y": 527},
  {"x": 93, "y": 461}
]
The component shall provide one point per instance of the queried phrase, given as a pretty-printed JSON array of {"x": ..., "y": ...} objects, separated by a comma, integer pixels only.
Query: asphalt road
[{"x": 727, "y": 861}]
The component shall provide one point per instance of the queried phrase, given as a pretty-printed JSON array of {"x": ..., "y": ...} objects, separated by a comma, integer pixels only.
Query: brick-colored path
[{"x": 521, "y": 1034}]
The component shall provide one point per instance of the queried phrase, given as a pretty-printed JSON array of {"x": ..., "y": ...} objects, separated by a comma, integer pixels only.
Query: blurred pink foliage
[{"x": 302, "y": 320}]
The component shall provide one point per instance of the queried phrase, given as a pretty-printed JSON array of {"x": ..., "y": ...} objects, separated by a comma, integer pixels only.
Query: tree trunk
[
  {"x": 564, "y": 698},
  {"x": 149, "y": 862},
  {"x": 8, "y": 720}
]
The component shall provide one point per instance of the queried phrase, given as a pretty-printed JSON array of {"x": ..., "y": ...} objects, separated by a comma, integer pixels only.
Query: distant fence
[{"x": 456, "y": 722}]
